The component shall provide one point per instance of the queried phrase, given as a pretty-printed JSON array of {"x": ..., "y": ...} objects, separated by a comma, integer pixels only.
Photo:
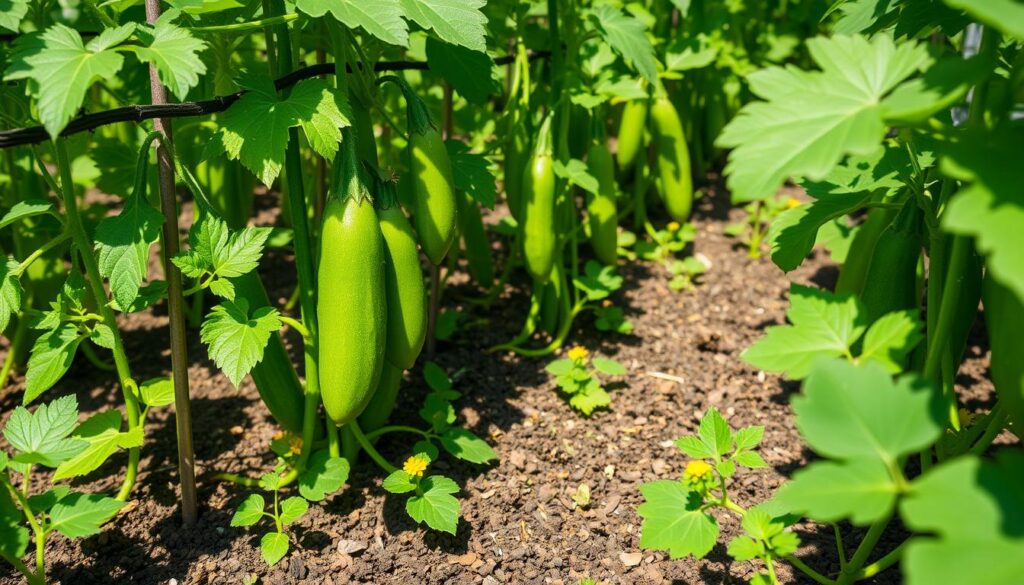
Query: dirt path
[{"x": 518, "y": 522}]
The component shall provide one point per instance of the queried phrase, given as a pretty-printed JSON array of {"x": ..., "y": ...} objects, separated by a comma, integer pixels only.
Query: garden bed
[{"x": 519, "y": 524}]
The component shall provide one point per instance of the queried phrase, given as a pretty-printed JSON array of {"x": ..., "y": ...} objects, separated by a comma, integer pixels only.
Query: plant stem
[
  {"x": 242, "y": 27},
  {"x": 996, "y": 422},
  {"x": 95, "y": 279},
  {"x": 40, "y": 251},
  {"x": 803, "y": 568},
  {"x": 295, "y": 324},
  {"x": 333, "y": 444},
  {"x": 396, "y": 429},
  {"x": 839, "y": 546},
  {"x": 883, "y": 563},
  {"x": 175, "y": 298},
  {"x": 849, "y": 574},
  {"x": 238, "y": 479},
  {"x": 38, "y": 532},
  {"x": 367, "y": 446}
]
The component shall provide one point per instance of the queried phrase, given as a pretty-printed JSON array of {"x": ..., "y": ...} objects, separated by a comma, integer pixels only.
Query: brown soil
[{"x": 518, "y": 524}]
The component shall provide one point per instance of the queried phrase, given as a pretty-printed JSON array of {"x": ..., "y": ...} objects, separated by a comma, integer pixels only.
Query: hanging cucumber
[
  {"x": 893, "y": 268},
  {"x": 406, "y": 293},
  {"x": 551, "y": 302},
  {"x": 1004, "y": 316},
  {"x": 538, "y": 221},
  {"x": 602, "y": 214},
  {"x": 351, "y": 295},
  {"x": 435, "y": 212},
  {"x": 631, "y": 133},
  {"x": 673, "y": 159},
  {"x": 854, "y": 271},
  {"x": 517, "y": 156},
  {"x": 474, "y": 239}
]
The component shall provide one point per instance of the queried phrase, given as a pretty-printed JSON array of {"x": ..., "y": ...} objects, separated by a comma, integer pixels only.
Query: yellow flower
[
  {"x": 673, "y": 226},
  {"x": 415, "y": 465},
  {"x": 295, "y": 445},
  {"x": 278, "y": 435},
  {"x": 696, "y": 469},
  {"x": 578, "y": 353},
  {"x": 792, "y": 202},
  {"x": 606, "y": 303}
]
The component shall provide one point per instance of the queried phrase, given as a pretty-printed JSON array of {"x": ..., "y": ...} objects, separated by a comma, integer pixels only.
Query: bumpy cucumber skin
[
  {"x": 274, "y": 375},
  {"x": 892, "y": 273},
  {"x": 539, "y": 238},
  {"x": 435, "y": 209},
  {"x": 602, "y": 214},
  {"x": 474, "y": 237},
  {"x": 854, "y": 271},
  {"x": 673, "y": 159},
  {"x": 382, "y": 404},
  {"x": 351, "y": 307},
  {"x": 1004, "y": 316},
  {"x": 406, "y": 292},
  {"x": 631, "y": 133}
]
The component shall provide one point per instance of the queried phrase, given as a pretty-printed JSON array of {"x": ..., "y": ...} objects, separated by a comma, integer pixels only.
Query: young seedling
[
  {"x": 577, "y": 376},
  {"x": 51, "y": 437},
  {"x": 752, "y": 229},
  {"x": 685, "y": 272}
]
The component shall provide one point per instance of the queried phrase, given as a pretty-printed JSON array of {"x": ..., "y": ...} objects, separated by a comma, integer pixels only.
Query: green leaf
[
  {"x": 1005, "y": 15},
  {"x": 695, "y": 447},
  {"x": 157, "y": 392},
  {"x": 42, "y": 437},
  {"x": 465, "y": 69},
  {"x": 560, "y": 367},
  {"x": 577, "y": 173},
  {"x": 991, "y": 207},
  {"x": 77, "y": 515},
  {"x": 890, "y": 338},
  {"x": 467, "y": 446},
  {"x": 749, "y": 437},
  {"x": 398, "y": 482},
  {"x": 382, "y": 18},
  {"x": 148, "y": 296},
  {"x": 760, "y": 523},
  {"x": 794, "y": 232},
  {"x": 51, "y": 357},
  {"x": 237, "y": 339},
  {"x": 11, "y": 13},
  {"x": 598, "y": 281},
  {"x": 860, "y": 490},
  {"x": 941, "y": 87},
  {"x": 323, "y": 476},
  {"x": 673, "y": 520},
  {"x": 823, "y": 325},
  {"x": 810, "y": 119},
  {"x": 590, "y": 398},
  {"x": 608, "y": 366},
  {"x": 435, "y": 505},
  {"x": 123, "y": 242},
  {"x": 254, "y": 129},
  {"x": 438, "y": 411},
  {"x": 13, "y": 535},
  {"x": 273, "y": 547},
  {"x": 10, "y": 291},
  {"x": 63, "y": 69},
  {"x": 46, "y": 500},
  {"x": 726, "y": 468},
  {"x": 975, "y": 509},
  {"x": 175, "y": 52},
  {"x": 292, "y": 509},
  {"x": 471, "y": 173},
  {"x": 686, "y": 52},
  {"x": 103, "y": 433},
  {"x": 437, "y": 379},
  {"x": 715, "y": 433},
  {"x": 857, "y": 411},
  {"x": 749, "y": 459},
  {"x": 744, "y": 548},
  {"x": 25, "y": 209},
  {"x": 458, "y": 22},
  {"x": 627, "y": 35},
  {"x": 271, "y": 481},
  {"x": 249, "y": 511}
]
